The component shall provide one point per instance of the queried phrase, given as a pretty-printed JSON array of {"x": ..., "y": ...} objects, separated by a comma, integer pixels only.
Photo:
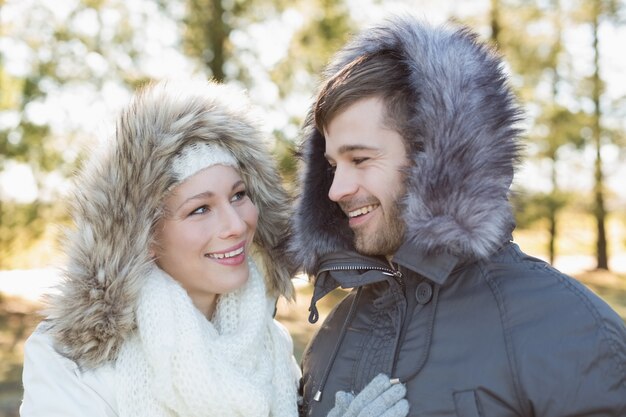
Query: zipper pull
[
  {"x": 397, "y": 275},
  {"x": 314, "y": 314},
  {"x": 395, "y": 272}
]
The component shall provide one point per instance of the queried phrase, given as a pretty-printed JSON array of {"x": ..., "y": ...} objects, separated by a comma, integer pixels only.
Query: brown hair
[{"x": 382, "y": 74}]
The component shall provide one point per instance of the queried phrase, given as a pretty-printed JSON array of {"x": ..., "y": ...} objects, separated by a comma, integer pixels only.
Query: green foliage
[
  {"x": 561, "y": 127},
  {"x": 326, "y": 30},
  {"x": 530, "y": 207},
  {"x": 21, "y": 225},
  {"x": 284, "y": 151},
  {"x": 531, "y": 36},
  {"x": 206, "y": 35},
  {"x": 61, "y": 54},
  {"x": 207, "y": 26}
]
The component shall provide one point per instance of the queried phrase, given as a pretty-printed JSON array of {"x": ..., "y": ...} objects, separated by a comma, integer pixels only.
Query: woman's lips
[{"x": 232, "y": 256}]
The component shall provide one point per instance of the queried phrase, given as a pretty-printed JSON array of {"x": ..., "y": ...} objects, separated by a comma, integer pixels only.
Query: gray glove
[{"x": 378, "y": 399}]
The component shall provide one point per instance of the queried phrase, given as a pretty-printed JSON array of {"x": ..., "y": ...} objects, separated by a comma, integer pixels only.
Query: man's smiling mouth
[{"x": 361, "y": 211}]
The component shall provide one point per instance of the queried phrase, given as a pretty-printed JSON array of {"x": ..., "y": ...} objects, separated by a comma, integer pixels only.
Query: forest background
[{"x": 68, "y": 66}]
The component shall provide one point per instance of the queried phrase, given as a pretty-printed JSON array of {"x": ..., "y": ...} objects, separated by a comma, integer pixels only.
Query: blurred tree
[
  {"x": 536, "y": 59},
  {"x": 545, "y": 79},
  {"x": 92, "y": 48},
  {"x": 206, "y": 32},
  {"x": 325, "y": 31},
  {"x": 21, "y": 141},
  {"x": 557, "y": 120},
  {"x": 83, "y": 48},
  {"x": 207, "y": 28},
  {"x": 594, "y": 13},
  {"x": 217, "y": 35}
]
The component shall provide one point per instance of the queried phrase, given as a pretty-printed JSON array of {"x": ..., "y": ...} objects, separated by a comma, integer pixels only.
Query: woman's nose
[{"x": 232, "y": 223}]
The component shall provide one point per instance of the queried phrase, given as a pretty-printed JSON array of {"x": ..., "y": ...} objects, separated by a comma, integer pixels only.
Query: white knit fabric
[
  {"x": 181, "y": 364},
  {"x": 199, "y": 156}
]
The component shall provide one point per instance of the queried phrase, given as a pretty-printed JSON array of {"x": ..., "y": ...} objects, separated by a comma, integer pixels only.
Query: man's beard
[{"x": 387, "y": 237}]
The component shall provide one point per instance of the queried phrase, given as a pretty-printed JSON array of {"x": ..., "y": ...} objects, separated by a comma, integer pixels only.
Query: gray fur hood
[
  {"x": 118, "y": 199},
  {"x": 464, "y": 147}
]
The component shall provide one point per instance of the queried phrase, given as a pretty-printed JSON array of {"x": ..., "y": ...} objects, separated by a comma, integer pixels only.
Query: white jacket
[{"x": 63, "y": 389}]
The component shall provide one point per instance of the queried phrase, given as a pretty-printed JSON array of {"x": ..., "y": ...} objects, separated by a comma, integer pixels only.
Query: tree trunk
[
  {"x": 206, "y": 35},
  {"x": 553, "y": 204},
  {"x": 216, "y": 36},
  {"x": 495, "y": 22},
  {"x": 599, "y": 209}
]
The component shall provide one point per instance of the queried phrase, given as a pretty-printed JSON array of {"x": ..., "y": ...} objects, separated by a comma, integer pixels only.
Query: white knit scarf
[{"x": 181, "y": 364}]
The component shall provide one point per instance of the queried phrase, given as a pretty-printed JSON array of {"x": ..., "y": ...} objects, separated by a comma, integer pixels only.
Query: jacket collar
[
  {"x": 435, "y": 267},
  {"x": 349, "y": 269},
  {"x": 346, "y": 269}
]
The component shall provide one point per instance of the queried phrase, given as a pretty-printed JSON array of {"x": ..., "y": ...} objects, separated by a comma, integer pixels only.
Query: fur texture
[
  {"x": 464, "y": 147},
  {"x": 118, "y": 200}
]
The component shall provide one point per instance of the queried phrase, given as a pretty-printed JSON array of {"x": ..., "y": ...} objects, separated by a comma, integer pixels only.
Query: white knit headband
[{"x": 199, "y": 156}]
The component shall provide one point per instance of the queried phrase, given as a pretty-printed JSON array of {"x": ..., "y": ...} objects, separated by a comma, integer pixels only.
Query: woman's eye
[
  {"x": 239, "y": 196},
  {"x": 200, "y": 210},
  {"x": 358, "y": 161}
]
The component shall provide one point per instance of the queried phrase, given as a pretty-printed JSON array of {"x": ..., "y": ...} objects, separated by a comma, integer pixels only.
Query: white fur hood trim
[{"x": 118, "y": 199}]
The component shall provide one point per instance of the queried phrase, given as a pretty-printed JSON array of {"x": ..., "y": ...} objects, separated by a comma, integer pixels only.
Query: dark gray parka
[{"x": 471, "y": 324}]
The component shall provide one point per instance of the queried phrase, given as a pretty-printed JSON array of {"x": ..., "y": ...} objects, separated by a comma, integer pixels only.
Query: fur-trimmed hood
[
  {"x": 464, "y": 147},
  {"x": 119, "y": 198}
]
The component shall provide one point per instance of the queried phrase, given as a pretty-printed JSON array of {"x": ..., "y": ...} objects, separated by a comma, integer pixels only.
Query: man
[{"x": 409, "y": 154}]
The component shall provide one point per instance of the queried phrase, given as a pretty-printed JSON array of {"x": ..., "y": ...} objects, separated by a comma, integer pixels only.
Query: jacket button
[{"x": 423, "y": 292}]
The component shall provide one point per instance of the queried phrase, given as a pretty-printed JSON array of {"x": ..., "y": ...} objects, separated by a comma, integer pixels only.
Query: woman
[{"x": 163, "y": 311}]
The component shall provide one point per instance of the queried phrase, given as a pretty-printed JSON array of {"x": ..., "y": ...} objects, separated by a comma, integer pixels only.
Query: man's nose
[
  {"x": 344, "y": 184},
  {"x": 232, "y": 224}
]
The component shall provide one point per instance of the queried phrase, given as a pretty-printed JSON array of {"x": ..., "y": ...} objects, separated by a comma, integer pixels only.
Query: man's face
[{"x": 367, "y": 158}]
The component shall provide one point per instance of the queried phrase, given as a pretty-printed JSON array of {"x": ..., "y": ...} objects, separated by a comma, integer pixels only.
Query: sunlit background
[{"x": 68, "y": 66}]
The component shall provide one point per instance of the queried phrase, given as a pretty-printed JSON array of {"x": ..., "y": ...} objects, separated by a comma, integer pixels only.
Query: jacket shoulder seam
[{"x": 508, "y": 342}]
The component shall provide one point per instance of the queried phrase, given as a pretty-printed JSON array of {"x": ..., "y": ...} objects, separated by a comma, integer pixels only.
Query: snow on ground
[{"x": 31, "y": 284}]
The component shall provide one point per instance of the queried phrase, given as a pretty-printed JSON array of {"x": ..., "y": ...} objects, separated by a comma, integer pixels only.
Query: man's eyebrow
[{"x": 350, "y": 148}]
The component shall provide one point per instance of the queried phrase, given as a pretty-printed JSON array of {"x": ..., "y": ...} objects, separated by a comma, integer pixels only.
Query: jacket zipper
[
  {"x": 399, "y": 277},
  {"x": 385, "y": 271}
]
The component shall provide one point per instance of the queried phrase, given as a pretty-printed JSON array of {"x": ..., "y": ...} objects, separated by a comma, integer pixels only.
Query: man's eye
[
  {"x": 357, "y": 161},
  {"x": 200, "y": 210}
]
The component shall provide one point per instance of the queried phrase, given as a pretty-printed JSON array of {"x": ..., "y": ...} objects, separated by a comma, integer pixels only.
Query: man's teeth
[
  {"x": 226, "y": 255},
  {"x": 362, "y": 210}
]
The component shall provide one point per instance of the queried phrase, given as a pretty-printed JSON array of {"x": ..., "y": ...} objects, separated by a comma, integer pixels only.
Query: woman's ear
[{"x": 153, "y": 248}]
